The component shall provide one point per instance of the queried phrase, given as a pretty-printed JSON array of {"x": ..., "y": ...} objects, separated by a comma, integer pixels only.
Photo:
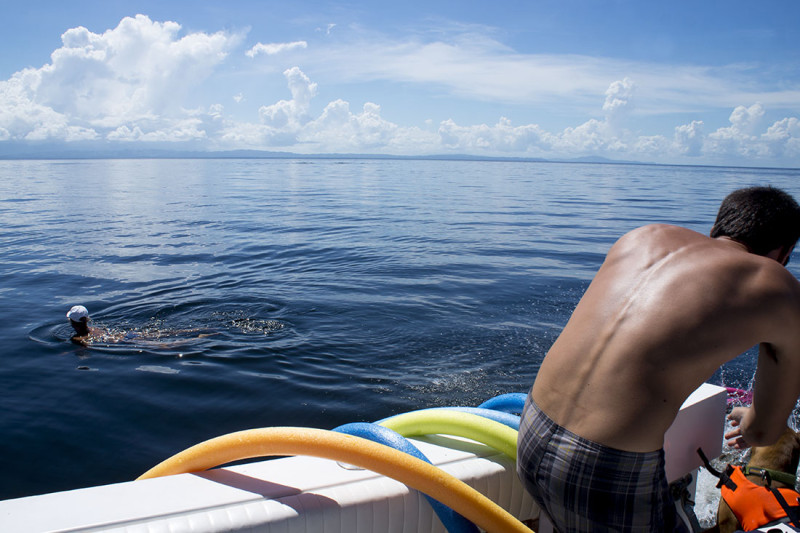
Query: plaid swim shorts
[{"x": 584, "y": 486}]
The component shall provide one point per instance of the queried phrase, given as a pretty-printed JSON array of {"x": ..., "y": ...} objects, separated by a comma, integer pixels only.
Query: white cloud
[
  {"x": 744, "y": 137},
  {"x": 783, "y": 138},
  {"x": 744, "y": 141},
  {"x": 591, "y": 137},
  {"x": 619, "y": 98},
  {"x": 341, "y": 129},
  {"x": 98, "y": 83},
  {"x": 689, "y": 138},
  {"x": 474, "y": 66},
  {"x": 291, "y": 114},
  {"x": 186, "y": 130},
  {"x": 747, "y": 119},
  {"x": 272, "y": 49},
  {"x": 328, "y": 29},
  {"x": 501, "y": 137}
]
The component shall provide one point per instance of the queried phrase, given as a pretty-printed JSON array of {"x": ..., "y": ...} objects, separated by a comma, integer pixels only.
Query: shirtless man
[{"x": 665, "y": 310}]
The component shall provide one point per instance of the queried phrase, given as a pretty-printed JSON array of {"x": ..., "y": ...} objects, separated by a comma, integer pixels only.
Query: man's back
[{"x": 666, "y": 309}]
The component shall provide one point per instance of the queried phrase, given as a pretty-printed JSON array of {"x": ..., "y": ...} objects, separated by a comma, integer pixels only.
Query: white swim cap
[{"x": 77, "y": 312}]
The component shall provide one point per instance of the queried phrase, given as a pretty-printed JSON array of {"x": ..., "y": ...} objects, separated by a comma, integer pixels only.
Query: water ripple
[{"x": 326, "y": 292}]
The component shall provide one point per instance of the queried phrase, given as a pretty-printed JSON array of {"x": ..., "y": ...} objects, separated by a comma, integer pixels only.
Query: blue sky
[{"x": 680, "y": 82}]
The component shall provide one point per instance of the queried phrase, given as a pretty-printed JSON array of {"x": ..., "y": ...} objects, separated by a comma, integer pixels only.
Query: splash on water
[
  {"x": 240, "y": 321},
  {"x": 707, "y": 494},
  {"x": 256, "y": 325}
]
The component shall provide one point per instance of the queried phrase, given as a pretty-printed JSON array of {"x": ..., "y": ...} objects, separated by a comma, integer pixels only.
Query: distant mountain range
[{"x": 24, "y": 151}]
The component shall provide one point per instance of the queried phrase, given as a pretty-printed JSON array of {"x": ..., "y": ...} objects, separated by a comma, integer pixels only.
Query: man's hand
[{"x": 735, "y": 438}]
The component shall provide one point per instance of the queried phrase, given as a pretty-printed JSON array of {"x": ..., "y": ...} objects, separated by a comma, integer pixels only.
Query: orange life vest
[{"x": 755, "y": 505}]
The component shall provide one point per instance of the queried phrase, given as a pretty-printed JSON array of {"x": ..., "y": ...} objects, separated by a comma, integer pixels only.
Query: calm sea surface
[{"x": 335, "y": 291}]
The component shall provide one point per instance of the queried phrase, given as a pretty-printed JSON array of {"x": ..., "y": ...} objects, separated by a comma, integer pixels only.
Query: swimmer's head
[
  {"x": 79, "y": 319},
  {"x": 78, "y": 313}
]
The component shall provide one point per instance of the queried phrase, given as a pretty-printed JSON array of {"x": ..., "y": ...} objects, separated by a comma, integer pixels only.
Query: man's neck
[{"x": 733, "y": 242}]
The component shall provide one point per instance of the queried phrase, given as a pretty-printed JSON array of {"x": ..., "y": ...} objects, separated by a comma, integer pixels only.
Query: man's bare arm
[
  {"x": 777, "y": 381},
  {"x": 776, "y": 388}
]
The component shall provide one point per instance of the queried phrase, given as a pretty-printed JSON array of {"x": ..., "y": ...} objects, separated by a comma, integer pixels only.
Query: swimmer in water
[{"x": 78, "y": 317}]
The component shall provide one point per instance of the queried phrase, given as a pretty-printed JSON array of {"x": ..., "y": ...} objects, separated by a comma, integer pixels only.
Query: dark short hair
[{"x": 761, "y": 218}]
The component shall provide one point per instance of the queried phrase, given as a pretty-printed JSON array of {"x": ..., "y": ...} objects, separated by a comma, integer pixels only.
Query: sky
[{"x": 708, "y": 83}]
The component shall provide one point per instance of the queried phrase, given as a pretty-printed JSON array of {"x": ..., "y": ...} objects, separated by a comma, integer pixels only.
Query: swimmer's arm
[{"x": 80, "y": 341}]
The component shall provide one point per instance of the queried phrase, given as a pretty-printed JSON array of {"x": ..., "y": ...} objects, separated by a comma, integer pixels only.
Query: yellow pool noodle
[
  {"x": 458, "y": 423},
  {"x": 349, "y": 449}
]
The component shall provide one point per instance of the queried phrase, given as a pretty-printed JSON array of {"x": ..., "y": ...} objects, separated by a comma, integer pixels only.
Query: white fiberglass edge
[{"x": 312, "y": 495}]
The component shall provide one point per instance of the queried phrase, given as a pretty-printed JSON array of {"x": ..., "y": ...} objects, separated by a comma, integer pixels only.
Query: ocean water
[{"x": 333, "y": 291}]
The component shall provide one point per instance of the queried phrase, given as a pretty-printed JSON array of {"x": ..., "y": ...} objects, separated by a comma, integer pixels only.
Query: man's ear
[
  {"x": 787, "y": 254},
  {"x": 781, "y": 254}
]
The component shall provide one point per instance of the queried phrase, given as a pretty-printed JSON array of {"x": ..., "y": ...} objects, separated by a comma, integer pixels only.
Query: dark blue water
[{"x": 337, "y": 291}]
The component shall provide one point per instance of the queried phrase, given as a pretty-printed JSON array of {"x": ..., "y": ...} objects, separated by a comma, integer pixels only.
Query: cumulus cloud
[
  {"x": 342, "y": 129},
  {"x": 592, "y": 137},
  {"x": 744, "y": 137},
  {"x": 272, "y": 49},
  {"x": 291, "y": 114},
  {"x": 689, "y": 138},
  {"x": 117, "y": 83},
  {"x": 747, "y": 119},
  {"x": 619, "y": 98},
  {"x": 783, "y": 138},
  {"x": 744, "y": 141},
  {"x": 501, "y": 137}
]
